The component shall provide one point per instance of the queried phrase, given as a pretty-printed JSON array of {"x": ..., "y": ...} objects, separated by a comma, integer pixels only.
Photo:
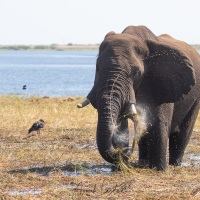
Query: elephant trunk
[
  {"x": 105, "y": 135},
  {"x": 112, "y": 130}
]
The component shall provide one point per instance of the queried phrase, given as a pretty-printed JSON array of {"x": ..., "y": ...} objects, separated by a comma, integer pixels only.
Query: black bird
[
  {"x": 37, "y": 126},
  {"x": 24, "y": 87}
]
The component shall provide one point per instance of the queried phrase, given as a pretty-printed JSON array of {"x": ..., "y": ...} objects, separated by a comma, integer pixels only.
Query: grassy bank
[{"x": 55, "y": 164}]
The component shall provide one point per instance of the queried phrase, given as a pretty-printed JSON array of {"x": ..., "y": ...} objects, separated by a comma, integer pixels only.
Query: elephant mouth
[
  {"x": 119, "y": 130},
  {"x": 131, "y": 114},
  {"x": 113, "y": 132}
]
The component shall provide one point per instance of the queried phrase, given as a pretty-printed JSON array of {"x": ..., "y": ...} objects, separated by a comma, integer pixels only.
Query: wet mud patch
[
  {"x": 192, "y": 160},
  {"x": 192, "y": 155},
  {"x": 25, "y": 192},
  {"x": 86, "y": 146},
  {"x": 68, "y": 170},
  {"x": 96, "y": 170}
]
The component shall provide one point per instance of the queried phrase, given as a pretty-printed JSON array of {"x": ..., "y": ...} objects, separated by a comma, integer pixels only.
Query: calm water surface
[{"x": 47, "y": 73}]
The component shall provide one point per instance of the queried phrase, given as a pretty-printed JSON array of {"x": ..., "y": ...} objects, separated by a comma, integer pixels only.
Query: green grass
[{"x": 68, "y": 142}]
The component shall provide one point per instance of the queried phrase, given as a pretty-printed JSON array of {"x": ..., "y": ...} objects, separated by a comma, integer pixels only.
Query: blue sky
[{"x": 88, "y": 21}]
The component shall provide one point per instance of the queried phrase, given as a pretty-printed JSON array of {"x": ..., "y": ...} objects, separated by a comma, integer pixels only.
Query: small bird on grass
[{"x": 37, "y": 126}]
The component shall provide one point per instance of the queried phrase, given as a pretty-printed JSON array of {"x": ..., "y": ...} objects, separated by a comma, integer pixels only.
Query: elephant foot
[
  {"x": 142, "y": 163},
  {"x": 175, "y": 162}
]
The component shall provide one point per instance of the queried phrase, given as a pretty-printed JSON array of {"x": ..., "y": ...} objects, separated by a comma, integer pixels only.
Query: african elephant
[{"x": 158, "y": 75}]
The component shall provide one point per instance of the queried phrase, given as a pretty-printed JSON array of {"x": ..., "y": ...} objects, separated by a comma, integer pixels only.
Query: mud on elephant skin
[{"x": 159, "y": 74}]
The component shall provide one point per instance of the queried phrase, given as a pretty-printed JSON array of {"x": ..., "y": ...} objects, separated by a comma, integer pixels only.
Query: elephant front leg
[
  {"x": 158, "y": 148},
  {"x": 159, "y": 135},
  {"x": 153, "y": 146}
]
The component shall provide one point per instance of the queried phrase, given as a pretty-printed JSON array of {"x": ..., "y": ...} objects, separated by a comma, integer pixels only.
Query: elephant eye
[
  {"x": 135, "y": 73},
  {"x": 138, "y": 51}
]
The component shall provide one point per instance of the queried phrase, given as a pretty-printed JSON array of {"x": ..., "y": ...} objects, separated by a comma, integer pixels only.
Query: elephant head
[{"x": 134, "y": 67}]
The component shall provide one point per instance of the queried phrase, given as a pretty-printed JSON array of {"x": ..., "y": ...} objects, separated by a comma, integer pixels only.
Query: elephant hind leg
[{"x": 178, "y": 141}]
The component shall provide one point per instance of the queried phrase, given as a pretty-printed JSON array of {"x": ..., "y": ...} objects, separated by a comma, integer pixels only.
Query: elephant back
[{"x": 140, "y": 32}]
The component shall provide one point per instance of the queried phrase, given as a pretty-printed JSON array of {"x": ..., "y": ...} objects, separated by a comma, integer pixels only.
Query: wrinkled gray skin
[{"x": 161, "y": 76}]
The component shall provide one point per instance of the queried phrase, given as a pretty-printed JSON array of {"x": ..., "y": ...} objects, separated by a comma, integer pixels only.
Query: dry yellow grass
[{"x": 35, "y": 167}]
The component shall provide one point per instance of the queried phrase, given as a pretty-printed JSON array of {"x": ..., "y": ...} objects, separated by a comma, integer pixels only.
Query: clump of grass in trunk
[{"x": 126, "y": 167}]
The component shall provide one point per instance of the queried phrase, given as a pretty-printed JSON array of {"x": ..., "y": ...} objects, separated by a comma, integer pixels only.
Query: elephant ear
[{"x": 170, "y": 70}]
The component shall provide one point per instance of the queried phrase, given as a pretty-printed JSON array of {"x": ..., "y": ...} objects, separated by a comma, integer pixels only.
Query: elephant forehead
[
  {"x": 114, "y": 47},
  {"x": 122, "y": 44},
  {"x": 122, "y": 41}
]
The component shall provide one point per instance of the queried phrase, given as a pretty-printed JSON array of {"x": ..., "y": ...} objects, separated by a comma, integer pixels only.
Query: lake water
[{"x": 47, "y": 73}]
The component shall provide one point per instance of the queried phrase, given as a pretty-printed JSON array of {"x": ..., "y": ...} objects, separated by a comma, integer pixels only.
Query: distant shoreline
[
  {"x": 50, "y": 47},
  {"x": 58, "y": 47},
  {"x": 196, "y": 46}
]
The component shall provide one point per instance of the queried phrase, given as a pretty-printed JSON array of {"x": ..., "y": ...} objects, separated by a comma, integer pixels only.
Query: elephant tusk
[
  {"x": 84, "y": 103},
  {"x": 135, "y": 118},
  {"x": 133, "y": 109},
  {"x": 133, "y": 114}
]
